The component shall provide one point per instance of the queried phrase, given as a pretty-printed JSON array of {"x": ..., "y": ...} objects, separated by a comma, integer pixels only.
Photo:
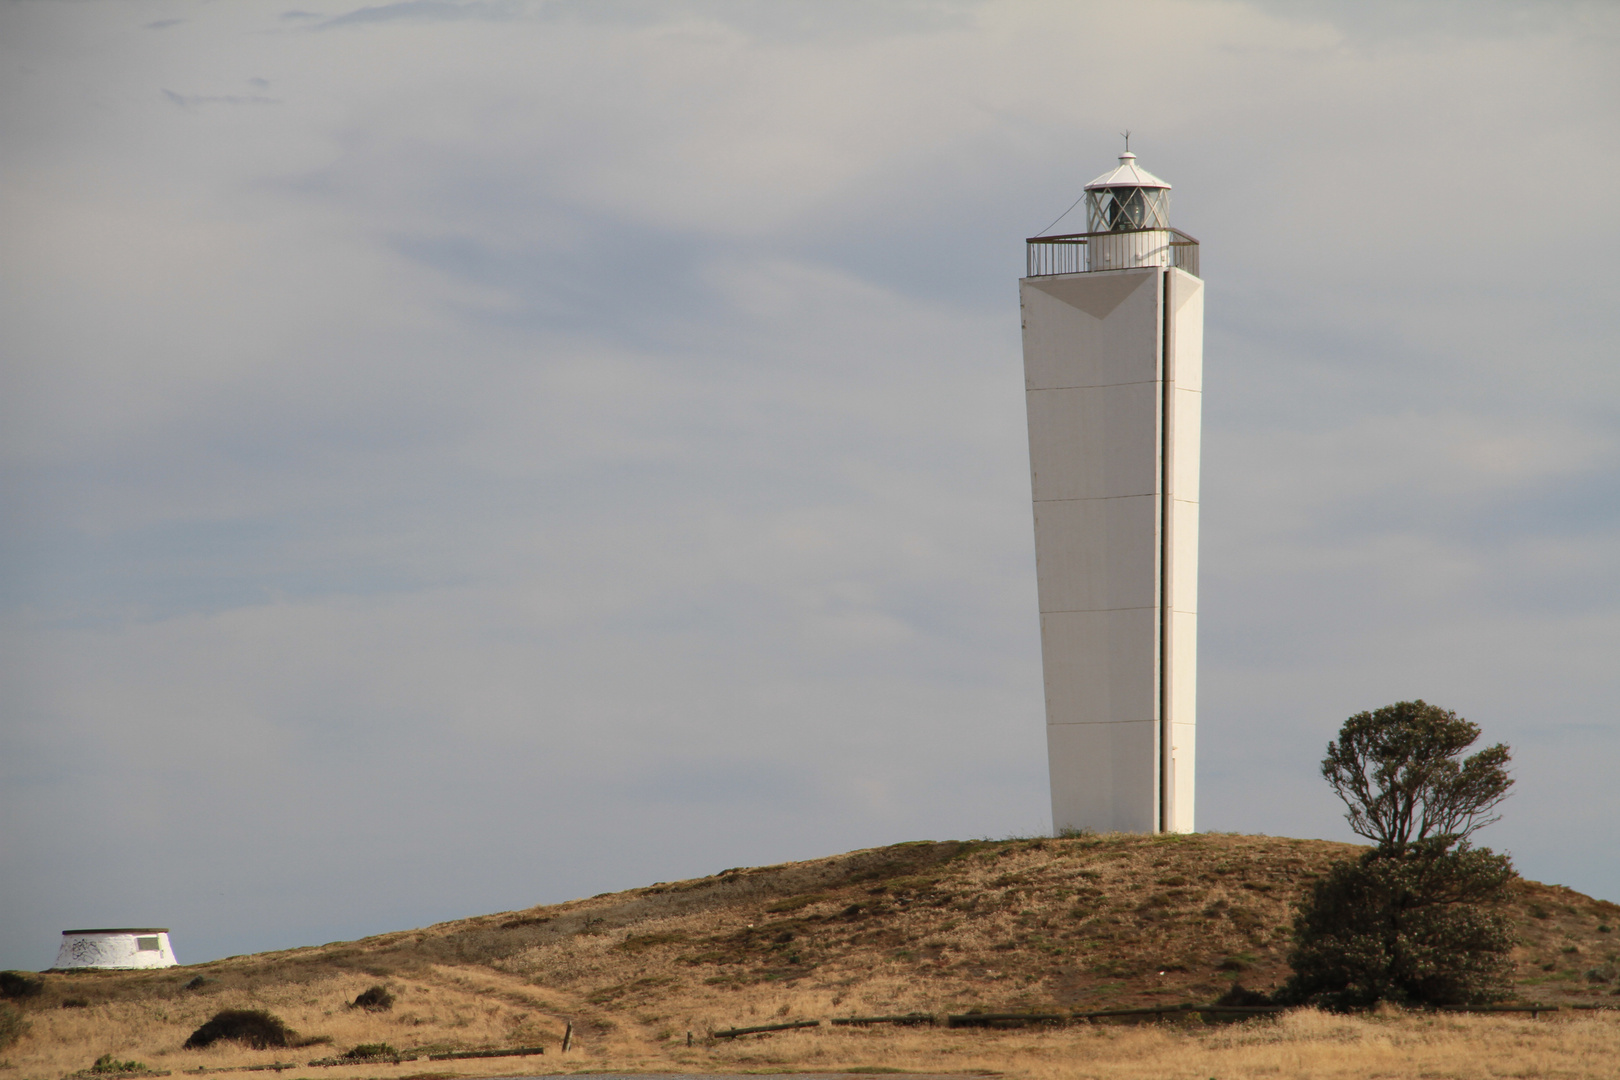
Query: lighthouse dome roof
[{"x": 1127, "y": 174}]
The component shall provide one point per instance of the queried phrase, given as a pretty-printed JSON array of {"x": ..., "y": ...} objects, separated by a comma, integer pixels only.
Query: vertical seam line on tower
[{"x": 1166, "y": 550}]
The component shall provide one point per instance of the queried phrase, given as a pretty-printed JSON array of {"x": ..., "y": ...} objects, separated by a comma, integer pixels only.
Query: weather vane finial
[{"x": 1127, "y": 136}]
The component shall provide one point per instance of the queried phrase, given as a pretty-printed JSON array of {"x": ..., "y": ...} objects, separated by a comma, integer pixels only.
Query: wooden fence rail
[
  {"x": 732, "y": 1033},
  {"x": 908, "y": 1018},
  {"x": 1024, "y": 1019},
  {"x": 407, "y": 1055},
  {"x": 460, "y": 1055},
  {"x": 1005, "y": 1019}
]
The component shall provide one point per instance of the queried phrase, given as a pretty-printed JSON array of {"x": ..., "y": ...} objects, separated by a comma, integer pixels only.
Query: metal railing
[{"x": 1072, "y": 253}]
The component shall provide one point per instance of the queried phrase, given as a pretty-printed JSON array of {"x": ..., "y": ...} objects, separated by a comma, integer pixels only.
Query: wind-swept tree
[
  {"x": 1413, "y": 920},
  {"x": 1400, "y": 771}
]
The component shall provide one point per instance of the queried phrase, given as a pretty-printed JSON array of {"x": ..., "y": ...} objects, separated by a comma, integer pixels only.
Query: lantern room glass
[{"x": 1122, "y": 209}]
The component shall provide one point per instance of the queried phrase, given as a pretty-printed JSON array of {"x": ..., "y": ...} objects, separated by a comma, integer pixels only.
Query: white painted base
[
  {"x": 1103, "y": 776},
  {"x": 1183, "y": 756}
]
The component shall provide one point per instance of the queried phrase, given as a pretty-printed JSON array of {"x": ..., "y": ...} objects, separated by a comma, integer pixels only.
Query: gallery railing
[{"x": 1079, "y": 253}]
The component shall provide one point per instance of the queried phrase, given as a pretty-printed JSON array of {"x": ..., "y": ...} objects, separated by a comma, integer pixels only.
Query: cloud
[
  {"x": 420, "y": 11},
  {"x": 188, "y": 100}
]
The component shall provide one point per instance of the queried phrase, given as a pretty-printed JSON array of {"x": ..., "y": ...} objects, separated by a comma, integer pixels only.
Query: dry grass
[
  {"x": 1004, "y": 925},
  {"x": 1304, "y": 1043}
]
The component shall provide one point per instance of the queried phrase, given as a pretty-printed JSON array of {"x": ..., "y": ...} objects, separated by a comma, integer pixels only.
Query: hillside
[{"x": 1084, "y": 923}]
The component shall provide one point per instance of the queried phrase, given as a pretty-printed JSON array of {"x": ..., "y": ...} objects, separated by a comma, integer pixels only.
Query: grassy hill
[{"x": 1084, "y": 923}]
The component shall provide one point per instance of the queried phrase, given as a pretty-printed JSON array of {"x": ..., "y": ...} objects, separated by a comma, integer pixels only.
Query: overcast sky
[{"x": 458, "y": 456}]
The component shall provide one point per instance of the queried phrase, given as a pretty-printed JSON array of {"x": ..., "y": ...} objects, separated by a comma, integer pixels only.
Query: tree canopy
[{"x": 1399, "y": 770}]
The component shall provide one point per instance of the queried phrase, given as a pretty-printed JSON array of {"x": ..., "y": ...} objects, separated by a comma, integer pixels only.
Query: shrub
[
  {"x": 367, "y": 1051},
  {"x": 252, "y": 1027},
  {"x": 376, "y": 999},
  {"x": 106, "y": 1063},
  {"x": 1238, "y": 994},
  {"x": 1417, "y": 928},
  {"x": 12, "y": 1024},
  {"x": 17, "y": 985}
]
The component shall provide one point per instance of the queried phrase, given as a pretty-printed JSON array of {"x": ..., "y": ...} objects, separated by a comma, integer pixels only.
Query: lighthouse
[{"x": 1113, "y": 326}]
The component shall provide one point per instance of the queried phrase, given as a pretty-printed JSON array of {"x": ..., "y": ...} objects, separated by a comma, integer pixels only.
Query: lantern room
[
  {"x": 1127, "y": 226},
  {"x": 1128, "y": 197}
]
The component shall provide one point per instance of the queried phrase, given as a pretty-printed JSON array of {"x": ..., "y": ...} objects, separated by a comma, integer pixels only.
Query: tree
[
  {"x": 1397, "y": 769},
  {"x": 1412, "y": 921},
  {"x": 1416, "y": 928}
]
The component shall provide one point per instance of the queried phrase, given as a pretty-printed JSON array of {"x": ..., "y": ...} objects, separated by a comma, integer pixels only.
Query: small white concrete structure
[
  {"x": 1113, "y": 370},
  {"x": 117, "y": 949}
]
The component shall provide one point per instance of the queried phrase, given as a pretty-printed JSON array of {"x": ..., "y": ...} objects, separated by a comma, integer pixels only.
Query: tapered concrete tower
[{"x": 1113, "y": 365}]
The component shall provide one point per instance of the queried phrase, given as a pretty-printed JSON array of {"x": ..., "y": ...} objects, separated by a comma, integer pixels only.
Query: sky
[{"x": 460, "y": 456}]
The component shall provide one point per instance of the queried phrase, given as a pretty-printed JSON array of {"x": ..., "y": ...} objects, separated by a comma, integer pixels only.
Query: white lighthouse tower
[{"x": 1113, "y": 367}]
